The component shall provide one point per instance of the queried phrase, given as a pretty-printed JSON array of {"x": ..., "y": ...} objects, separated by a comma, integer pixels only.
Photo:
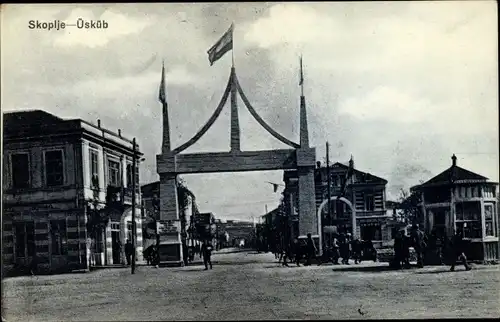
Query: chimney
[
  {"x": 454, "y": 160},
  {"x": 98, "y": 123},
  {"x": 119, "y": 132}
]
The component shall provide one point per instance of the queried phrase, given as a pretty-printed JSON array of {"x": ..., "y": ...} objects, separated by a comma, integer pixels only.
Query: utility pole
[
  {"x": 329, "y": 221},
  {"x": 134, "y": 229}
]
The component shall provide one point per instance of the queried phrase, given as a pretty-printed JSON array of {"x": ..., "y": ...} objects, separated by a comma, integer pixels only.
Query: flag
[
  {"x": 350, "y": 172},
  {"x": 162, "y": 96},
  {"x": 301, "y": 80},
  {"x": 221, "y": 47}
]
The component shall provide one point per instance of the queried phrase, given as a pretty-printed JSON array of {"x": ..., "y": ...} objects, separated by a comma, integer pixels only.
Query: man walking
[
  {"x": 458, "y": 251},
  {"x": 129, "y": 250},
  {"x": 356, "y": 250},
  {"x": 206, "y": 250},
  {"x": 296, "y": 251},
  {"x": 418, "y": 242}
]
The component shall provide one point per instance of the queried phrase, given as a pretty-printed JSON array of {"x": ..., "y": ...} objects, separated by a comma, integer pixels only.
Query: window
[
  {"x": 94, "y": 169},
  {"x": 20, "y": 170},
  {"x": 342, "y": 181},
  {"x": 468, "y": 219},
  {"x": 59, "y": 238},
  {"x": 489, "y": 219},
  {"x": 369, "y": 202},
  {"x": 24, "y": 239},
  {"x": 114, "y": 173},
  {"x": 371, "y": 232},
  {"x": 129, "y": 175},
  {"x": 334, "y": 181},
  {"x": 53, "y": 168}
]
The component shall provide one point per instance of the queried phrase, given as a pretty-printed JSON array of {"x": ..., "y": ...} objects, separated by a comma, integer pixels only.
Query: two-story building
[
  {"x": 365, "y": 192},
  {"x": 459, "y": 199},
  {"x": 53, "y": 172}
]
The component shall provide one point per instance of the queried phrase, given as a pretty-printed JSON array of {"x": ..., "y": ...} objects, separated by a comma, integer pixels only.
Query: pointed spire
[
  {"x": 162, "y": 96},
  {"x": 301, "y": 80}
]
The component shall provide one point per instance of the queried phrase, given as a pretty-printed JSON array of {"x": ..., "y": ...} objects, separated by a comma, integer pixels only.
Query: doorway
[{"x": 116, "y": 248}]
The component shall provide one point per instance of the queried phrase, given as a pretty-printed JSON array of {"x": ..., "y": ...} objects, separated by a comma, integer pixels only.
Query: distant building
[
  {"x": 238, "y": 230},
  {"x": 366, "y": 192},
  {"x": 52, "y": 170},
  {"x": 150, "y": 209},
  {"x": 458, "y": 199}
]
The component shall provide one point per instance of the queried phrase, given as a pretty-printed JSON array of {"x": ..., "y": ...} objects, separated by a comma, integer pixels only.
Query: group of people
[
  {"x": 439, "y": 247},
  {"x": 343, "y": 247}
]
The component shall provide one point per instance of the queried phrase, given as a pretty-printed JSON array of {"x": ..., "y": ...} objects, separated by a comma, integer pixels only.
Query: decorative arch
[
  {"x": 233, "y": 80},
  {"x": 320, "y": 210},
  {"x": 259, "y": 120}
]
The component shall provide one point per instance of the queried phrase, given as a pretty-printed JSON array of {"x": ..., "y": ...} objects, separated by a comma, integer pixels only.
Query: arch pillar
[{"x": 320, "y": 210}]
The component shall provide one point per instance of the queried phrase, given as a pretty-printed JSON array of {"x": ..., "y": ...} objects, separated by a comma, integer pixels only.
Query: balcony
[{"x": 121, "y": 196}]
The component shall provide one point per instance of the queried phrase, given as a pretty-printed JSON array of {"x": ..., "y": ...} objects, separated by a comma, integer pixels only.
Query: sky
[{"x": 400, "y": 86}]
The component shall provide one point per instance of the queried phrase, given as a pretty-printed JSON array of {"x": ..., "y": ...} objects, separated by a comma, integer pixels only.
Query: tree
[
  {"x": 183, "y": 194},
  {"x": 409, "y": 206}
]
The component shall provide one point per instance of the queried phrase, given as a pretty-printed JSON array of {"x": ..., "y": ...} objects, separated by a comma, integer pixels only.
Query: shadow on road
[
  {"x": 372, "y": 269},
  {"x": 236, "y": 263}
]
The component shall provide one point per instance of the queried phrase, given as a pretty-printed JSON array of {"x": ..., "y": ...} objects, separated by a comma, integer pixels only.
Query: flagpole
[
  {"x": 232, "y": 51},
  {"x": 301, "y": 77},
  {"x": 329, "y": 189}
]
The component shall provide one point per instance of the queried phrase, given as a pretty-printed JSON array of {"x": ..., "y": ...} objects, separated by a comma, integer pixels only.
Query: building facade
[
  {"x": 365, "y": 193},
  {"x": 237, "y": 231},
  {"x": 55, "y": 172},
  {"x": 458, "y": 199}
]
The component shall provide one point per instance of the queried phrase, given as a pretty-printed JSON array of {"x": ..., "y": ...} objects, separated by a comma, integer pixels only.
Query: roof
[
  {"x": 150, "y": 188},
  {"x": 370, "y": 178},
  {"x": 454, "y": 175},
  {"x": 29, "y": 118},
  {"x": 21, "y": 125}
]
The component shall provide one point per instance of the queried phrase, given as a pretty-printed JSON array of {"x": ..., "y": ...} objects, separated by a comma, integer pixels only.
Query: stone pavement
[{"x": 250, "y": 286}]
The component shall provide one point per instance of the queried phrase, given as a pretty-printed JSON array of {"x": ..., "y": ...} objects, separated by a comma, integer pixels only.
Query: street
[{"x": 251, "y": 286}]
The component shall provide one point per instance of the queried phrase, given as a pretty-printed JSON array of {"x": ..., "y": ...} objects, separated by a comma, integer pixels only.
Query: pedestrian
[
  {"x": 419, "y": 244},
  {"x": 148, "y": 255},
  {"x": 191, "y": 254},
  {"x": 206, "y": 249},
  {"x": 286, "y": 254},
  {"x": 310, "y": 249},
  {"x": 347, "y": 249},
  {"x": 335, "y": 250},
  {"x": 129, "y": 250},
  {"x": 458, "y": 251},
  {"x": 398, "y": 250},
  {"x": 405, "y": 250},
  {"x": 440, "y": 245},
  {"x": 296, "y": 251},
  {"x": 356, "y": 250}
]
